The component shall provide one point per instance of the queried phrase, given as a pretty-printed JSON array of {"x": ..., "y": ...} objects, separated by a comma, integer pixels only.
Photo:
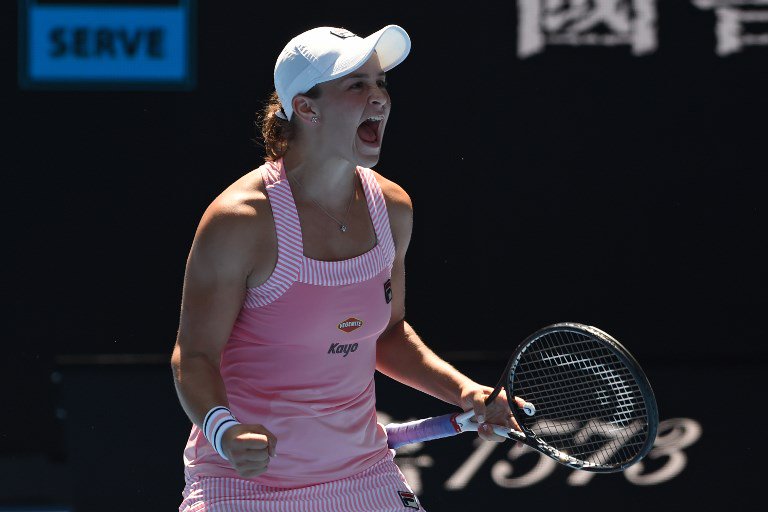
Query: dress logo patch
[
  {"x": 409, "y": 500},
  {"x": 388, "y": 291},
  {"x": 350, "y": 324}
]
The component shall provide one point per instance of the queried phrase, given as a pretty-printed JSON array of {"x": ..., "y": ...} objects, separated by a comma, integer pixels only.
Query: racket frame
[
  {"x": 451, "y": 424},
  {"x": 530, "y": 438}
]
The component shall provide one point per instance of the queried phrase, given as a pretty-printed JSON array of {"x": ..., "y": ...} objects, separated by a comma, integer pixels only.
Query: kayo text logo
[{"x": 342, "y": 348}]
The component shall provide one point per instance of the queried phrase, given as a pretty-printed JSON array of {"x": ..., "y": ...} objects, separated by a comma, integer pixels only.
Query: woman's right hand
[{"x": 249, "y": 448}]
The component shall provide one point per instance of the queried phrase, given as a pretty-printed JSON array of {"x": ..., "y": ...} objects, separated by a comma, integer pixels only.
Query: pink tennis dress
[{"x": 301, "y": 360}]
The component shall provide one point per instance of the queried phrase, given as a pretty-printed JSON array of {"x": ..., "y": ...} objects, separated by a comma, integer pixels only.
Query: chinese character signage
[
  {"x": 739, "y": 23},
  {"x": 630, "y": 23},
  {"x": 634, "y": 24}
]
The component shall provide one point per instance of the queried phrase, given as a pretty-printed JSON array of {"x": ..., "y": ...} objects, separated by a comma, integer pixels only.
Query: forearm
[
  {"x": 199, "y": 385},
  {"x": 403, "y": 356}
]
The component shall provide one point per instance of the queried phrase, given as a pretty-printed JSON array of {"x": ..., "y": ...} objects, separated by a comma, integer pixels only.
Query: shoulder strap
[
  {"x": 289, "y": 244},
  {"x": 378, "y": 210}
]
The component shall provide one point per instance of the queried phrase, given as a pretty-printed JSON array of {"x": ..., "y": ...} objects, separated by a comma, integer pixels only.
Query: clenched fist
[{"x": 249, "y": 448}]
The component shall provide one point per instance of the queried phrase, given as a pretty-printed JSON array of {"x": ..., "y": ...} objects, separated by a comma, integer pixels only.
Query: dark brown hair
[{"x": 275, "y": 132}]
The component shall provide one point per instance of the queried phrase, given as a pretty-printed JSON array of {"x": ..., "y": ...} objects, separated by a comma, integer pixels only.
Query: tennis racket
[{"x": 588, "y": 404}]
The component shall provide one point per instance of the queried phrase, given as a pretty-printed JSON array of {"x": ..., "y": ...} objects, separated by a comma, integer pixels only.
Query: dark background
[{"x": 580, "y": 184}]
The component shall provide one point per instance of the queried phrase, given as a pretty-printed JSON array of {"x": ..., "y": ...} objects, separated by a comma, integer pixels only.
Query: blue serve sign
[{"x": 105, "y": 44}]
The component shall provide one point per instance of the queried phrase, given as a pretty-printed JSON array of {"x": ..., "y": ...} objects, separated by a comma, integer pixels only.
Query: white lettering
[
  {"x": 613, "y": 446},
  {"x": 466, "y": 471},
  {"x": 674, "y": 435},
  {"x": 502, "y": 471},
  {"x": 584, "y": 22},
  {"x": 732, "y": 18}
]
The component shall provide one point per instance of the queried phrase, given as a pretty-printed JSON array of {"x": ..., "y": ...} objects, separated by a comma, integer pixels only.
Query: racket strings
[
  {"x": 588, "y": 403},
  {"x": 580, "y": 395}
]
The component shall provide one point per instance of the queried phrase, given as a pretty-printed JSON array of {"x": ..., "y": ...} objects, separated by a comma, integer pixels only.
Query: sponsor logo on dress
[
  {"x": 341, "y": 348},
  {"x": 409, "y": 499},
  {"x": 350, "y": 324},
  {"x": 388, "y": 291}
]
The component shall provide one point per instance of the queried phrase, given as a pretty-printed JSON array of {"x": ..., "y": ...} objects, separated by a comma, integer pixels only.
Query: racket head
[{"x": 595, "y": 409}]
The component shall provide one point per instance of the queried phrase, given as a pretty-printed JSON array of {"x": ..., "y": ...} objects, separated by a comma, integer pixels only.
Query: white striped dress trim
[
  {"x": 293, "y": 266},
  {"x": 375, "y": 489}
]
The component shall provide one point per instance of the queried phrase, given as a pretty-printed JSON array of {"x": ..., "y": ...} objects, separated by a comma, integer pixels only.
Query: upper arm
[
  {"x": 218, "y": 265},
  {"x": 400, "y": 212}
]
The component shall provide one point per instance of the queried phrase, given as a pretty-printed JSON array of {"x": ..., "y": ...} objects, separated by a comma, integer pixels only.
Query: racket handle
[{"x": 399, "y": 434}]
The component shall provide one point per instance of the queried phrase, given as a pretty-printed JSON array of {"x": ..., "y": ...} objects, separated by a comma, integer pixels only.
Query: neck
[{"x": 330, "y": 181}]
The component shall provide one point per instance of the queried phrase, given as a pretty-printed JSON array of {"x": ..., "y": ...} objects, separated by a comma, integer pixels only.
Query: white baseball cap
[{"x": 326, "y": 53}]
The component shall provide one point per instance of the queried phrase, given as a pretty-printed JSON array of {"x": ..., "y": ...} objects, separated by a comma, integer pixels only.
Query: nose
[{"x": 378, "y": 96}]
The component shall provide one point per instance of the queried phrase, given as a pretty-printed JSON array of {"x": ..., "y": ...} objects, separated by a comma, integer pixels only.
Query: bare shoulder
[
  {"x": 398, "y": 200},
  {"x": 399, "y": 209},
  {"x": 235, "y": 210},
  {"x": 228, "y": 243},
  {"x": 236, "y": 227}
]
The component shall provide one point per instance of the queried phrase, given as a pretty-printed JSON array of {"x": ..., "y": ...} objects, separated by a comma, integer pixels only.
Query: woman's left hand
[{"x": 497, "y": 412}]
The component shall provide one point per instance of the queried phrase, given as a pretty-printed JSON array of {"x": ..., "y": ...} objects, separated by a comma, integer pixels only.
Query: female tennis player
[{"x": 294, "y": 294}]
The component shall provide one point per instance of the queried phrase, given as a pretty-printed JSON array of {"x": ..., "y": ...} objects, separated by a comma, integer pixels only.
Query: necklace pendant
[{"x": 343, "y": 228}]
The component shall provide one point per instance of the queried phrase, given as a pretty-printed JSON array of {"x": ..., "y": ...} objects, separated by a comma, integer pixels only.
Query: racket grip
[{"x": 399, "y": 434}]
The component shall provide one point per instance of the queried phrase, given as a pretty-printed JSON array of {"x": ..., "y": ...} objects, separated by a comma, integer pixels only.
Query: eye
[
  {"x": 382, "y": 84},
  {"x": 356, "y": 85}
]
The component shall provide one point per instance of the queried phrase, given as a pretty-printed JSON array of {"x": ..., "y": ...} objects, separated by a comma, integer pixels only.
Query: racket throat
[{"x": 455, "y": 423}]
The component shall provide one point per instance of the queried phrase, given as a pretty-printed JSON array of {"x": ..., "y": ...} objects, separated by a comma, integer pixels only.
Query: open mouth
[{"x": 368, "y": 131}]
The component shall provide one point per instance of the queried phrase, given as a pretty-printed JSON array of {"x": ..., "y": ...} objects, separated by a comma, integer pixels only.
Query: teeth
[{"x": 375, "y": 118}]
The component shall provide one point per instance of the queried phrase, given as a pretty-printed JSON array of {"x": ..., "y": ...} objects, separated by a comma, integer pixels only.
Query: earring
[{"x": 315, "y": 119}]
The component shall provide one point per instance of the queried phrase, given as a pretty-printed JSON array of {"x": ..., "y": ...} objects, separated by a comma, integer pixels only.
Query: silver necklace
[{"x": 342, "y": 225}]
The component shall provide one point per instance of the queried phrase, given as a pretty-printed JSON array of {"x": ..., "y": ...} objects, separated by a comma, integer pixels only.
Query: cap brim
[{"x": 391, "y": 44}]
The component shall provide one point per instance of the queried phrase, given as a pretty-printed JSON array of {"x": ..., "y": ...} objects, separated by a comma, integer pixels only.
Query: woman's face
[{"x": 353, "y": 112}]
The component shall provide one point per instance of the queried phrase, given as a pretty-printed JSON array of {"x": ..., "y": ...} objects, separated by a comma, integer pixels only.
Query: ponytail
[{"x": 276, "y": 132}]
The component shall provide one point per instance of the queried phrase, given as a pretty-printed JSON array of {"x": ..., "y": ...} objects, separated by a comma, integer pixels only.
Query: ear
[{"x": 304, "y": 108}]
